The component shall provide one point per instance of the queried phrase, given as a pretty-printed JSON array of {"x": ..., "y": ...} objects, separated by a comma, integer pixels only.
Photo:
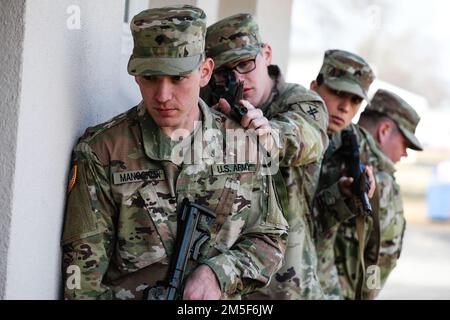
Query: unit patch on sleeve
[{"x": 312, "y": 111}]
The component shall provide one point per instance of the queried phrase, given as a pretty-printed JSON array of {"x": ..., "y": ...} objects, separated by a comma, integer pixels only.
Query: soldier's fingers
[
  {"x": 247, "y": 104},
  {"x": 372, "y": 182},
  {"x": 246, "y": 119},
  {"x": 347, "y": 181},
  {"x": 265, "y": 129},
  {"x": 257, "y": 123},
  {"x": 344, "y": 184},
  {"x": 250, "y": 115}
]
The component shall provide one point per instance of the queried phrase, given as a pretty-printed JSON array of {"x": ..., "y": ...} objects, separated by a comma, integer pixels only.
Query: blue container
[{"x": 438, "y": 200}]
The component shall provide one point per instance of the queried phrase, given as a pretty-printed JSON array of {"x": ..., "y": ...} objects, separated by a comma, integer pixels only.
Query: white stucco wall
[
  {"x": 70, "y": 80},
  {"x": 274, "y": 20},
  {"x": 11, "y": 40}
]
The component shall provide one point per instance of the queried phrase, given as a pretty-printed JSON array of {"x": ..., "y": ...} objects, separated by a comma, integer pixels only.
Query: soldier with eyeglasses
[{"x": 301, "y": 119}]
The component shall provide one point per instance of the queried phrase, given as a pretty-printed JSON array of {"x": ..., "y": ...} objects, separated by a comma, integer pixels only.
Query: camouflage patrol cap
[
  {"x": 167, "y": 41},
  {"x": 345, "y": 71},
  {"x": 232, "y": 39},
  {"x": 400, "y": 112}
]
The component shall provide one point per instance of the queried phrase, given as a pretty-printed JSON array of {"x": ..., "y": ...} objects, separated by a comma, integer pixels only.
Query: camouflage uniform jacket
[
  {"x": 302, "y": 119},
  {"x": 339, "y": 267},
  {"x": 121, "y": 215}
]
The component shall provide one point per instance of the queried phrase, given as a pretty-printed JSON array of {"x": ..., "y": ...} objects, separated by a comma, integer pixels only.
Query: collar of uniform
[
  {"x": 277, "y": 76},
  {"x": 384, "y": 163},
  {"x": 278, "y": 86},
  {"x": 207, "y": 117},
  {"x": 380, "y": 160},
  {"x": 208, "y": 123},
  {"x": 335, "y": 143},
  {"x": 157, "y": 145},
  {"x": 336, "y": 139}
]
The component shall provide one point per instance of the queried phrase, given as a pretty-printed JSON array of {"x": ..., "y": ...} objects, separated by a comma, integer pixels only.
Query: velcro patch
[
  {"x": 137, "y": 176},
  {"x": 221, "y": 169},
  {"x": 312, "y": 111}
]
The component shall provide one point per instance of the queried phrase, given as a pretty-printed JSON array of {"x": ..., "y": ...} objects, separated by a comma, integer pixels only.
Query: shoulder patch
[
  {"x": 73, "y": 177},
  {"x": 92, "y": 132},
  {"x": 311, "y": 110}
]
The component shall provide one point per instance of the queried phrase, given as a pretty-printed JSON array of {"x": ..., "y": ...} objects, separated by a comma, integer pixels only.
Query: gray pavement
[{"x": 423, "y": 271}]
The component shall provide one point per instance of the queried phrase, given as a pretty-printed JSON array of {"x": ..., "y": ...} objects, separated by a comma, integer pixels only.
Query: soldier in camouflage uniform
[
  {"x": 300, "y": 118},
  {"x": 131, "y": 174},
  {"x": 343, "y": 83},
  {"x": 392, "y": 122}
]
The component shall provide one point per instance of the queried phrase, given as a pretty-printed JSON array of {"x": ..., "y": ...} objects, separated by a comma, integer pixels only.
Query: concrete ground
[{"x": 423, "y": 270}]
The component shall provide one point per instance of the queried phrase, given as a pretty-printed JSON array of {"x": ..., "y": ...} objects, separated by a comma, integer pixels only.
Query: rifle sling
[
  {"x": 364, "y": 252},
  {"x": 373, "y": 243},
  {"x": 360, "y": 226}
]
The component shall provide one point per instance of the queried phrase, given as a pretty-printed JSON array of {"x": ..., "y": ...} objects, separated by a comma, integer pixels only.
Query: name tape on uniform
[
  {"x": 137, "y": 176},
  {"x": 233, "y": 168}
]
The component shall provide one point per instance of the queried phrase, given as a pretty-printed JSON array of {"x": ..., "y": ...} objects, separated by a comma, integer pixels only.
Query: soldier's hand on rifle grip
[
  {"x": 202, "y": 284},
  {"x": 345, "y": 186},
  {"x": 345, "y": 183},
  {"x": 371, "y": 181},
  {"x": 253, "y": 119}
]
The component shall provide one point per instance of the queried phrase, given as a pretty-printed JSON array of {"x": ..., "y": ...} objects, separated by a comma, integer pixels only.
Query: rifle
[
  {"x": 355, "y": 169},
  {"x": 231, "y": 91},
  {"x": 190, "y": 238}
]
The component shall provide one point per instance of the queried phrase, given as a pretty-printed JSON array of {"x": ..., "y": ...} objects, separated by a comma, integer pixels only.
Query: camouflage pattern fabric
[
  {"x": 348, "y": 72},
  {"x": 302, "y": 119},
  {"x": 233, "y": 38},
  {"x": 121, "y": 217},
  {"x": 385, "y": 251},
  {"x": 167, "y": 41},
  {"x": 329, "y": 211},
  {"x": 392, "y": 225},
  {"x": 337, "y": 242},
  {"x": 406, "y": 118}
]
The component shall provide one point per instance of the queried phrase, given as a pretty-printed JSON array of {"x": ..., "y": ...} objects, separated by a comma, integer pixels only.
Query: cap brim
[
  {"x": 412, "y": 139},
  {"x": 163, "y": 66},
  {"x": 233, "y": 55},
  {"x": 346, "y": 86}
]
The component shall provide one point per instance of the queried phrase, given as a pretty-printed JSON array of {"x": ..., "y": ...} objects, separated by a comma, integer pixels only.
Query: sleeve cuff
[{"x": 225, "y": 273}]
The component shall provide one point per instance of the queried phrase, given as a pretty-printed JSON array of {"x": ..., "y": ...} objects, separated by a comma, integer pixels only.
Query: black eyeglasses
[
  {"x": 246, "y": 66},
  {"x": 242, "y": 67}
]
